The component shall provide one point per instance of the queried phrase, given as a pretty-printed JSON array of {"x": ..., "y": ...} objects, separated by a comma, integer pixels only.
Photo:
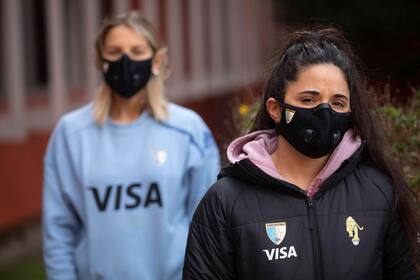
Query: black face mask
[
  {"x": 314, "y": 132},
  {"x": 126, "y": 76}
]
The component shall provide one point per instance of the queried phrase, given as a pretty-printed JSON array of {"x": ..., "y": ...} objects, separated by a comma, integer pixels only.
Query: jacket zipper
[
  {"x": 313, "y": 228},
  {"x": 318, "y": 269}
]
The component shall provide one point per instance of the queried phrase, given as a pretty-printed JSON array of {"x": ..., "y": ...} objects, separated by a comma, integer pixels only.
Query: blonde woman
[{"x": 124, "y": 173}]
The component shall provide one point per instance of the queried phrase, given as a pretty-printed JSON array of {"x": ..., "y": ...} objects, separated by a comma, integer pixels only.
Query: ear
[
  {"x": 159, "y": 60},
  {"x": 274, "y": 109}
]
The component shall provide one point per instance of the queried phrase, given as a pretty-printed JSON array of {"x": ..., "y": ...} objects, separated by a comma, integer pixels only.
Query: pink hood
[{"x": 259, "y": 145}]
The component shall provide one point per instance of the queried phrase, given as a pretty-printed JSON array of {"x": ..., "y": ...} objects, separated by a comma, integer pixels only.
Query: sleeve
[
  {"x": 203, "y": 167},
  {"x": 60, "y": 223},
  {"x": 210, "y": 251},
  {"x": 398, "y": 262}
]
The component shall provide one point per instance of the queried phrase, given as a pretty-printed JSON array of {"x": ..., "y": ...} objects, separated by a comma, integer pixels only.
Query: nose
[{"x": 322, "y": 106}]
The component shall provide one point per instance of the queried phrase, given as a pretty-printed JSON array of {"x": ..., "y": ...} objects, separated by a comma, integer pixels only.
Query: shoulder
[
  {"x": 227, "y": 189},
  {"x": 375, "y": 182},
  {"x": 188, "y": 122},
  {"x": 65, "y": 128},
  {"x": 220, "y": 199},
  {"x": 76, "y": 120},
  {"x": 184, "y": 119},
  {"x": 179, "y": 114}
]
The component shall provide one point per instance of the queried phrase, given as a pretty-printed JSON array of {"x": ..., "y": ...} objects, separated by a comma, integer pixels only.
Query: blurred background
[{"x": 219, "y": 51}]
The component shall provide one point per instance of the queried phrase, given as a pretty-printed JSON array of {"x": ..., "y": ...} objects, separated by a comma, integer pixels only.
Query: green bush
[{"x": 402, "y": 130}]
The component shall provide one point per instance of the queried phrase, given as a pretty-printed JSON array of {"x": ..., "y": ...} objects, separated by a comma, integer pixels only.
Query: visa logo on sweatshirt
[
  {"x": 276, "y": 232},
  {"x": 116, "y": 197}
]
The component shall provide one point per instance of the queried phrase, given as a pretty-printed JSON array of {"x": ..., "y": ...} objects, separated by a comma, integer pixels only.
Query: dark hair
[{"x": 319, "y": 45}]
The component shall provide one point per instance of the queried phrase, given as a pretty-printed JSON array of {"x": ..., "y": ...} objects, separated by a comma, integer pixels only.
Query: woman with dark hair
[{"x": 309, "y": 193}]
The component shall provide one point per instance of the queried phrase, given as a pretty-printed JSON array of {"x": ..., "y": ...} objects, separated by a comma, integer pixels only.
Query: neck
[
  {"x": 298, "y": 169},
  {"x": 125, "y": 110}
]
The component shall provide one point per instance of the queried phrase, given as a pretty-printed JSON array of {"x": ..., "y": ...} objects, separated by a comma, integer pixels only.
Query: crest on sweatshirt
[
  {"x": 276, "y": 232},
  {"x": 289, "y": 115},
  {"x": 159, "y": 156}
]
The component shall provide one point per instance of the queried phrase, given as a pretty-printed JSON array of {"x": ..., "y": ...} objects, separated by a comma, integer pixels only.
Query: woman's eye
[
  {"x": 338, "y": 104},
  {"x": 137, "y": 51},
  {"x": 113, "y": 51},
  {"x": 307, "y": 100},
  {"x": 112, "y": 55}
]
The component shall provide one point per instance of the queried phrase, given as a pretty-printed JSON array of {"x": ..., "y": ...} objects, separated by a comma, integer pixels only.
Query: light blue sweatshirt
[{"x": 118, "y": 199}]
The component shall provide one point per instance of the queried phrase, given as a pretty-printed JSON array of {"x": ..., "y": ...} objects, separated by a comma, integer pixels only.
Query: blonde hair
[{"x": 155, "y": 96}]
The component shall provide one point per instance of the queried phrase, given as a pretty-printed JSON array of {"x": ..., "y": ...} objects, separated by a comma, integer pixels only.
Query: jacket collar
[{"x": 247, "y": 171}]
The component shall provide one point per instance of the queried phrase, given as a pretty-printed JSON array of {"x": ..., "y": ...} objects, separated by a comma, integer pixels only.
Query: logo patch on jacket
[
  {"x": 276, "y": 232},
  {"x": 352, "y": 228}
]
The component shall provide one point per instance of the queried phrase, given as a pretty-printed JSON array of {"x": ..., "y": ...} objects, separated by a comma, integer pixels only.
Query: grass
[{"x": 30, "y": 268}]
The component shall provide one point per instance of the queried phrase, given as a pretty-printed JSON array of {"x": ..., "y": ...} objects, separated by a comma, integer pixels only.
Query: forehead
[
  {"x": 124, "y": 35},
  {"x": 321, "y": 77}
]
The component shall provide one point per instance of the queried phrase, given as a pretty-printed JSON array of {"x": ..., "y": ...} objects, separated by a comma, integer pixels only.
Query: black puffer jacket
[{"x": 253, "y": 226}]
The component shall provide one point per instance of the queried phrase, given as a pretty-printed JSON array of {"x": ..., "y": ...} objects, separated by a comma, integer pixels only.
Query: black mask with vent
[
  {"x": 126, "y": 76},
  {"x": 314, "y": 132}
]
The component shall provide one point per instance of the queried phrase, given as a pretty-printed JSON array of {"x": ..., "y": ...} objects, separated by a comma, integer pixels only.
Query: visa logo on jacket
[
  {"x": 276, "y": 232},
  {"x": 281, "y": 253}
]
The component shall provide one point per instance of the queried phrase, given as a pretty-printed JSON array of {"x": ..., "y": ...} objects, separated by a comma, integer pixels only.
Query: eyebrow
[
  {"x": 316, "y": 93},
  {"x": 134, "y": 46},
  {"x": 340, "y": 95},
  {"x": 312, "y": 92}
]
